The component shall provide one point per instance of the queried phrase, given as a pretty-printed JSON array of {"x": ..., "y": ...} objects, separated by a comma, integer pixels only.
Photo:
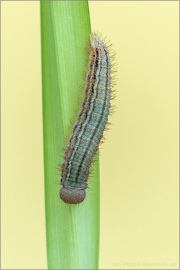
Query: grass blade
[{"x": 72, "y": 231}]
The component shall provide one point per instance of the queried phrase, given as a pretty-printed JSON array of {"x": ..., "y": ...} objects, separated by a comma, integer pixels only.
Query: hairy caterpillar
[{"x": 91, "y": 121}]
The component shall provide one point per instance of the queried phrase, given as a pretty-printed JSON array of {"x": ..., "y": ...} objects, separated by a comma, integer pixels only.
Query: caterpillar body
[{"x": 91, "y": 121}]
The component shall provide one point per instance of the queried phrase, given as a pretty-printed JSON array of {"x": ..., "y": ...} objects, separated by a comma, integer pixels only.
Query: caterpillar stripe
[{"x": 91, "y": 121}]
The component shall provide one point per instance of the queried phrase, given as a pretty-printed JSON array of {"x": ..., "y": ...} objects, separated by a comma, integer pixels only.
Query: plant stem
[{"x": 72, "y": 231}]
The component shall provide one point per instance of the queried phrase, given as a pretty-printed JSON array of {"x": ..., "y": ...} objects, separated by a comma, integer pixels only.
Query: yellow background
[{"x": 139, "y": 161}]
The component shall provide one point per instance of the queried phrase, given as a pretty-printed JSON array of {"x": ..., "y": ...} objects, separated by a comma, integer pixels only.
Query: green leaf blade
[{"x": 72, "y": 231}]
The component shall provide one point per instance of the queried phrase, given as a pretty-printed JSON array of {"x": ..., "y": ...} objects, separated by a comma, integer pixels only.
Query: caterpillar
[{"x": 90, "y": 125}]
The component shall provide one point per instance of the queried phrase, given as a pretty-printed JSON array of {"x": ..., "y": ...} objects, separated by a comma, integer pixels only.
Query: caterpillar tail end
[{"x": 72, "y": 196}]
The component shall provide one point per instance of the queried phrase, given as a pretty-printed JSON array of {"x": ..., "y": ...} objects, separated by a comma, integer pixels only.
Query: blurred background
[{"x": 139, "y": 160}]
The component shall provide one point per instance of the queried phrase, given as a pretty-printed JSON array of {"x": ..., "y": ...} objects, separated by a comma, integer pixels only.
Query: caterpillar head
[{"x": 72, "y": 196}]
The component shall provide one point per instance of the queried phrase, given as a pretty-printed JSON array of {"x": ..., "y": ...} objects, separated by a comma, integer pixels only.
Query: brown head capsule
[{"x": 72, "y": 196}]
